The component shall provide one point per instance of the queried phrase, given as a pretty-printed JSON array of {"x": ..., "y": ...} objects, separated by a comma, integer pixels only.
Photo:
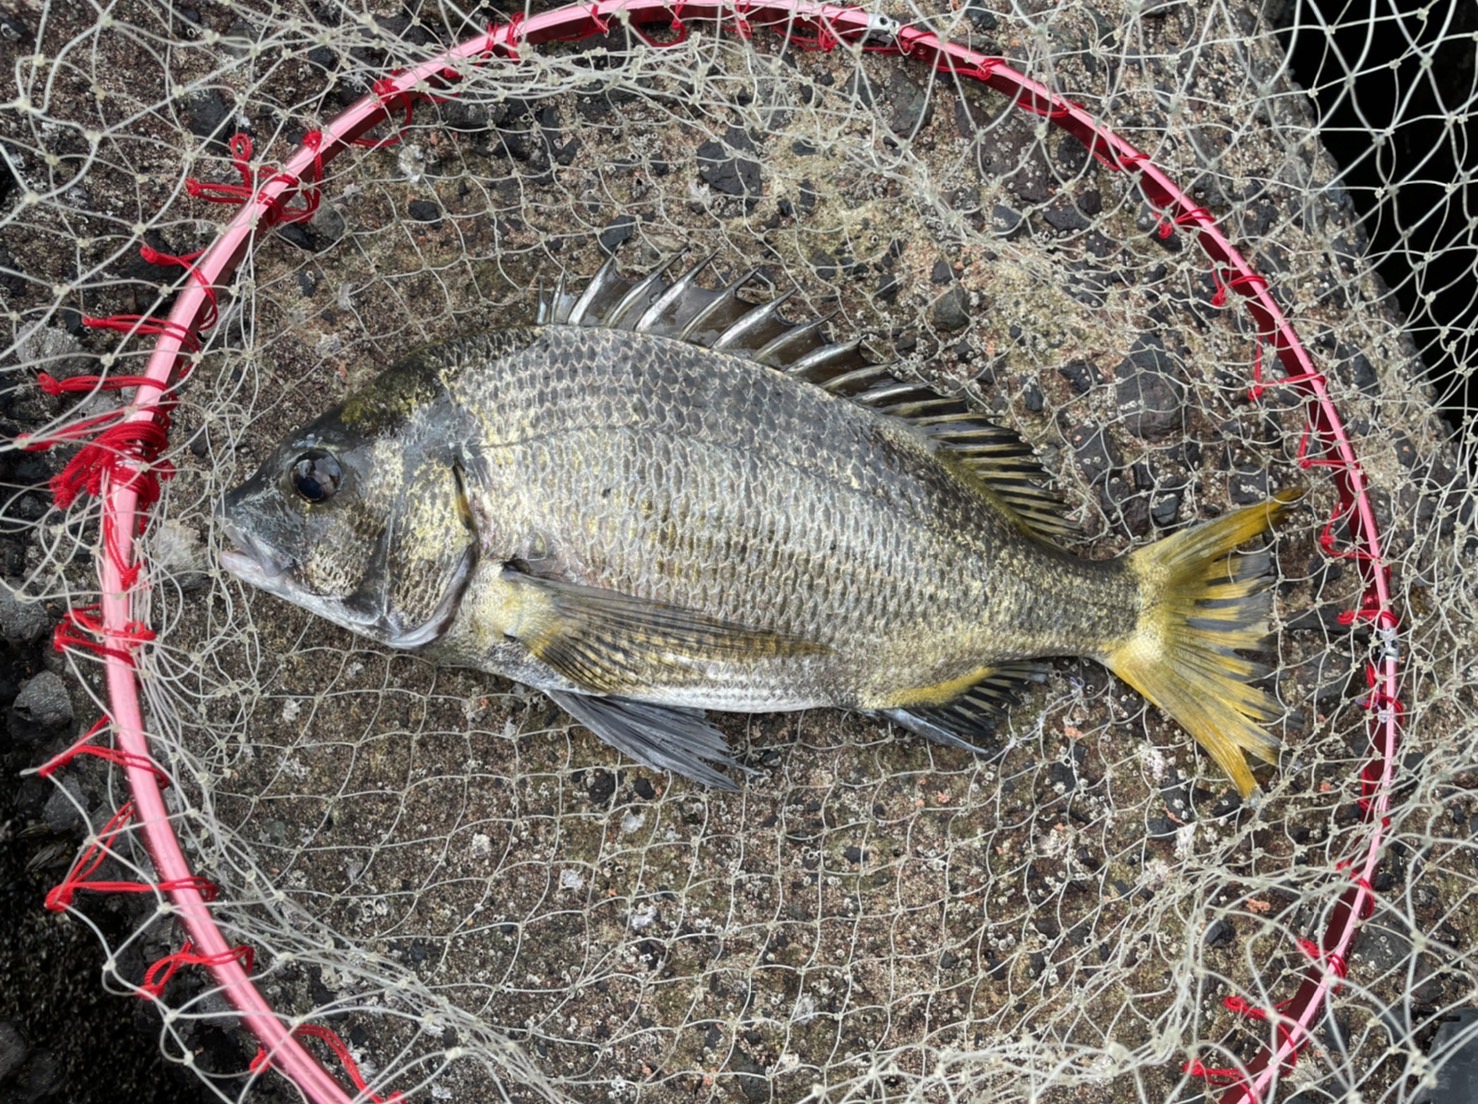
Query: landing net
[{"x": 1114, "y": 229}]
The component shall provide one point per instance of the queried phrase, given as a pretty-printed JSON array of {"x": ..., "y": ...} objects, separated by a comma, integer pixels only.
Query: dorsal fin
[{"x": 722, "y": 320}]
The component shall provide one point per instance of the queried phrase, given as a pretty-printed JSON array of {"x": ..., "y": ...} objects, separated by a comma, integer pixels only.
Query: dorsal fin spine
[
  {"x": 750, "y": 323},
  {"x": 724, "y": 322}
]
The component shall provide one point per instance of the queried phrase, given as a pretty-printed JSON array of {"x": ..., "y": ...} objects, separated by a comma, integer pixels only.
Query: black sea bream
[{"x": 662, "y": 500}]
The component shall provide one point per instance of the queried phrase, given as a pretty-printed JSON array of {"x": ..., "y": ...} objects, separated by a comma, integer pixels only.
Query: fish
[{"x": 660, "y": 499}]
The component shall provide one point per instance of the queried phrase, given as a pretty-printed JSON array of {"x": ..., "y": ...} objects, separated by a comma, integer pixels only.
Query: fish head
[{"x": 362, "y": 520}]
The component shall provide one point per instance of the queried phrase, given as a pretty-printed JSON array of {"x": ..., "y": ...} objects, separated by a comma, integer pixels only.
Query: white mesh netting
[{"x": 484, "y": 902}]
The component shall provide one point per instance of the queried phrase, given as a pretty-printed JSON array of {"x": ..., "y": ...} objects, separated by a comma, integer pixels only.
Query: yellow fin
[
  {"x": 613, "y": 643},
  {"x": 1200, "y": 604}
]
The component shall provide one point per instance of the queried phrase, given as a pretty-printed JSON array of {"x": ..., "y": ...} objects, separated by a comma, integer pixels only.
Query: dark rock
[
  {"x": 1102, "y": 247},
  {"x": 911, "y": 104},
  {"x": 1097, "y": 455},
  {"x": 751, "y": 1078},
  {"x": 1072, "y": 156},
  {"x": 854, "y": 854},
  {"x": 599, "y": 105},
  {"x": 17, "y": 33},
  {"x": 951, "y": 310},
  {"x": 1150, "y": 395},
  {"x": 11, "y": 278},
  {"x": 21, "y": 622},
  {"x": 1355, "y": 367},
  {"x": 807, "y": 196},
  {"x": 64, "y": 811},
  {"x": 210, "y": 115},
  {"x": 1062, "y": 215},
  {"x": 1134, "y": 515},
  {"x": 44, "y": 701},
  {"x": 1062, "y": 774},
  {"x": 1161, "y": 828},
  {"x": 296, "y": 234},
  {"x": 1220, "y": 934},
  {"x": 942, "y": 273},
  {"x": 1006, "y": 222},
  {"x": 825, "y": 265},
  {"x": 600, "y": 785},
  {"x": 1453, "y": 1059},
  {"x": 323, "y": 57},
  {"x": 1155, "y": 224},
  {"x": 1032, "y": 398},
  {"x": 1247, "y": 486},
  {"x": 1081, "y": 376},
  {"x": 1164, "y": 511},
  {"x": 617, "y": 232},
  {"x": 425, "y": 210},
  {"x": 13, "y": 1052},
  {"x": 725, "y": 167},
  {"x": 644, "y": 789},
  {"x": 1088, "y": 285},
  {"x": 981, "y": 19}
]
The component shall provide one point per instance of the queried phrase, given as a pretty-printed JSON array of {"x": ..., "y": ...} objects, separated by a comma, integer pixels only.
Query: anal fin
[
  {"x": 970, "y": 720},
  {"x": 658, "y": 736}
]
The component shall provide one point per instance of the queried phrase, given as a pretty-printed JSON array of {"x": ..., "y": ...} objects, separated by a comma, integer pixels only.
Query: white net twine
[{"x": 448, "y": 890}]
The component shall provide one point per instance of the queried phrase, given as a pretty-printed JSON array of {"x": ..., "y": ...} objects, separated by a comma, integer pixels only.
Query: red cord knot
[
  {"x": 53, "y": 386},
  {"x": 157, "y": 976},
  {"x": 1166, "y": 224},
  {"x": 1304, "y": 456},
  {"x": 145, "y": 325},
  {"x": 1259, "y": 387},
  {"x": 60, "y": 896},
  {"x": 1334, "y": 961},
  {"x": 1048, "y": 107},
  {"x": 1248, "y": 283},
  {"x": 81, "y": 628},
  {"x": 128, "y": 453},
  {"x": 276, "y": 208},
  {"x": 122, "y": 758},
  {"x": 1213, "y": 1075},
  {"x": 261, "y": 1060},
  {"x": 500, "y": 36},
  {"x": 1379, "y": 699},
  {"x": 1242, "y": 1008},
  {"x": 1381, "y": 616},
  {"x": 821, "y": 39},
  {"x": 678, "y": 28}
]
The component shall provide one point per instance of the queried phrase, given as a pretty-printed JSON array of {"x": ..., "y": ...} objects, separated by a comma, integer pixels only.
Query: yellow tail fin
[{"x": 1201, "y": 603}]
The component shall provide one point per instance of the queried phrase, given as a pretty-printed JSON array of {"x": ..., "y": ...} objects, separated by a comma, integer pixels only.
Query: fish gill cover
[{"x": 476, "y": 899}]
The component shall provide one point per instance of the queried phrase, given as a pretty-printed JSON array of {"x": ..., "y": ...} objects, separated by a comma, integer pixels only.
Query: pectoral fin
[
  {"x": 612, "y": 643},
  {"x": 661, "y": 737}
]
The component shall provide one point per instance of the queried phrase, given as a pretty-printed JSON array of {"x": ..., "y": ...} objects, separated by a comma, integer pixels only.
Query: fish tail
[{"x": 1200, "y": 604}]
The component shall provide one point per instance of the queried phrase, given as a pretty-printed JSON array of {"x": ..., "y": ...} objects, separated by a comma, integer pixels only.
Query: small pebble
[{"x": 44, "y": 701}]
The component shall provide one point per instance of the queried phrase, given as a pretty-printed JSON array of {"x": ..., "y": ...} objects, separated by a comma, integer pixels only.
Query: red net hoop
[{"x": 120, "y": 464}]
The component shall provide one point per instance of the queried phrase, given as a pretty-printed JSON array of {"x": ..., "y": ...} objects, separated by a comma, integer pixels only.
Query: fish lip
[{"x": 256, "y": 563}]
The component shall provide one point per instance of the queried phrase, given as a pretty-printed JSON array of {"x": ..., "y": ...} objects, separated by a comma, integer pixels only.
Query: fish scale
[
  {"x": 911, "y": 551},
  {"x": 663, "y": 499}
]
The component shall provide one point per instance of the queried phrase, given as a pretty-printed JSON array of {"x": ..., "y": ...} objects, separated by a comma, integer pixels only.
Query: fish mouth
[{"x": 256, "y": 563}]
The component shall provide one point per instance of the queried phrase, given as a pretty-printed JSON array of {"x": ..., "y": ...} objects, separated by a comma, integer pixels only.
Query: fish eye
[{"x": 316, "y": 475}]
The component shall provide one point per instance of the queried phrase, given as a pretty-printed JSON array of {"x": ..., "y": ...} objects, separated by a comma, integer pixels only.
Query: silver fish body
[{"x": 656, "y": 510}]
